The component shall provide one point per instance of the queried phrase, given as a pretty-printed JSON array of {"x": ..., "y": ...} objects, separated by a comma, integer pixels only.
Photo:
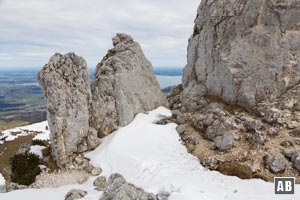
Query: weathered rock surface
[
  {"x": 296, "y": 160},
  {"x": 96, "y": 171},
  {"x": 24, "y": 148},
  {"x": 75, "y": 194},
  {"x": 100, "y": 183},
  {"x": 276, "y": 163},
  {"x": 124, "y": 85},
  {"x": 214, "y": 122},
  {"x": 60, "y": 178},
  {"x": 225, "y": 142},
  {"x": 65, "y": 83},
  {"x": 118, "y": 189},
  {"x": 13, "y": 186},
  {"x": 243, "y": 51},
  {"x": 242, "y": 77}
]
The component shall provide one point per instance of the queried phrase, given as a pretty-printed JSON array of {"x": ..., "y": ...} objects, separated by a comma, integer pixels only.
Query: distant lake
[
  {"x": 166, "y": 81},
  {"x": 166, "y": 76}
]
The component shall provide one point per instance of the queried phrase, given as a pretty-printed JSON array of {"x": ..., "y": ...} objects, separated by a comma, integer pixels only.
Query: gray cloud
[{"x": 32, "y": 30}]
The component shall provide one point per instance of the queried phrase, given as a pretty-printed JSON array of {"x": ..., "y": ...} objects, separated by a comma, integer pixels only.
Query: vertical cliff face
[
  {"x": 65, "y": 83},
  {"x": 243, "y": 51},
  {"x": 124, "y": 85}
]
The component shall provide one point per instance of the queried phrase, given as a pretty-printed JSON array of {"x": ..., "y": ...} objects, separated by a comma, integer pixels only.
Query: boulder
[
  {"x": 100, "y": 183},
  {"x": 253, "y": 125},
  {"x": 210, "y": 162},
  {"x": 258, "y": 138},
  {"x": 24, "y": 148},
  {"x": 118, "y": 189},
  {"x": 75, "y": 194},
  {"x": 296, "y": 160},
  {"x": 295, "y": 132},
  {"x": 96, "y": 171},
  {"x": 276, "y": 163},
  {"x": 225, "y": 142},
  {"x": 124, "y": 86},
  {"x": 65, "y": 84},
  {"x": 14, "y": 186},
  {"x": 243, "y": 52},
  {"x": 214, "y": 123}
]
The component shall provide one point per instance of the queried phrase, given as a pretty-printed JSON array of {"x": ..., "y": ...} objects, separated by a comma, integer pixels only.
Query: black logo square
[{"x": 284, "y": 185}]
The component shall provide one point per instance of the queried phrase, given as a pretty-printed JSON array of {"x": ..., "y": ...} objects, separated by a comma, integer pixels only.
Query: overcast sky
[{"x": 32, "y": 30}]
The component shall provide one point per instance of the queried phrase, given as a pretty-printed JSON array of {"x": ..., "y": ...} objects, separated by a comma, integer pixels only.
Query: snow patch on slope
[
  {"x": 37, "y": 150},
  {"x": 2, "y": 180},
  {"x": 37, "y": 128},
  {"x": 152, "y": 156}
]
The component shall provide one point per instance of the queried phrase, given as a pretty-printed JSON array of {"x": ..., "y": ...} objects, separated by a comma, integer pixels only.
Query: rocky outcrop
[
  {"x": 244, "y": 52},
  {"x": 78, "y": 114},
  {"x": 276, "y": 163},
  {"x": 124, "y": 85},
  {"x": 225, "y": 142},
  {"x": 75, "y": 194},
  {"x": 65, "y": 83},
  {"x": 24, "y": 148},
  {"x": 118, "y": 189},
  {"x": 239, "y": 99},
  {"x": 296, "y": 160},
  {"x": 100, "y": 183}
]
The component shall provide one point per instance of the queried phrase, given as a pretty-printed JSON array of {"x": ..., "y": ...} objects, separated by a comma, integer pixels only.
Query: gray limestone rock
[
  {"x": 253, "y": 125},
  {"x": 295, "y": 132},
  {"x": 100, "y": 183},
  {"x": 213, "y": 123},
  {"x": 14, "y": 186},
  {"x": 75, "y": 194},
  {"x": 225, "y": 142},
  {"x": 65, "y": 83},
  {"x": 296, "y": 160},
  {"x": 24, "y": 148},
  {"x": 210, "y": 163},
  {"x": 124, "y": 85},
  {"x": 2, "y": 189},
  {"x": 243, "y": 51},
  {"x": 276, "y": 163},
  {"x": 258, "y": 138},
  {"x": 118, "y": 189},
  {"x": 96, "y": 171}
]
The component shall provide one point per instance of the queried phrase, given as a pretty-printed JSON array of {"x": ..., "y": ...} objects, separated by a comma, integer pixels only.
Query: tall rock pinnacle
[
  {"x": 124, "y": 86},
  {"x": 65, "y": 83}
]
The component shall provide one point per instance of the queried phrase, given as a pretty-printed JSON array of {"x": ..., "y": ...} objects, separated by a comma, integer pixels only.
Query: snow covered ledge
[{"x": 151, "y": 156}]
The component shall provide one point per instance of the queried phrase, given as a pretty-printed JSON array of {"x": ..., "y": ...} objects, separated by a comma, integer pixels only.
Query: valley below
[{"x": 22, "y": 101}]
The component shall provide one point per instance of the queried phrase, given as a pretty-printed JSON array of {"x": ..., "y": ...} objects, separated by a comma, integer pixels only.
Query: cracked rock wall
[{"x": 243, "y": 51}]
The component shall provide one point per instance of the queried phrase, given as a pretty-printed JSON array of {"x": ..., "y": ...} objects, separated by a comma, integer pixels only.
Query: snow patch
[
  {"x": 37, "y": 150},
  {"x": 39, "y": 128},
  {"x": 2, "y": 180},
  {"x": 152, "y": 156}
]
